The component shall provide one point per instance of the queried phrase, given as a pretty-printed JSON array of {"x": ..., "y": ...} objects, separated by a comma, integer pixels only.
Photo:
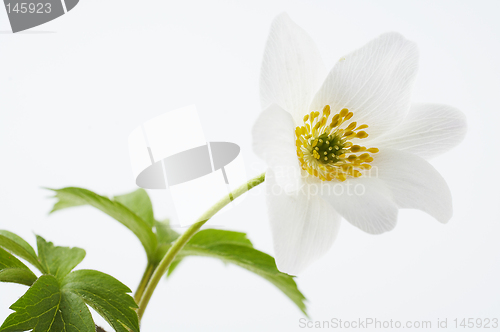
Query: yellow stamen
[
  {"x": 361, "y": 134},
  {"x": 325, "y": 150},
  {"x": 326, "y": 110},
  {"x": 351, "y": 126},
  {"x": 355, "y": 148}
]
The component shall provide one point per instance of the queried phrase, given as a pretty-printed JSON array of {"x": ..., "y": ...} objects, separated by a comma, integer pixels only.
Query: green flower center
[{"x": 328, "y": 148}]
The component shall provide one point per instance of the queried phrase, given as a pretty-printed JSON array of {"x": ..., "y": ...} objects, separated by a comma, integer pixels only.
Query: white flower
[{"x": 347, "y": 144}]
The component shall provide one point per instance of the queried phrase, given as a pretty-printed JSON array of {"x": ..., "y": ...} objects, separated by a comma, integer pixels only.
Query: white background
[{"x": 73, "y": 89}]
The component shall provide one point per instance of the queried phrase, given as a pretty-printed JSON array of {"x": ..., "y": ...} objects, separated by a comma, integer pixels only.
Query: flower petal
[
  {"x": 364, "y": 202},
  {"x": 274, "y": 141},
  {"x": 428, "y": 130},
  {"x": 374, "y": 82},
  {"x": 414, "y": 183},
  {"x": 292, "y": 69},
  {"x": 303, "y": 226}
]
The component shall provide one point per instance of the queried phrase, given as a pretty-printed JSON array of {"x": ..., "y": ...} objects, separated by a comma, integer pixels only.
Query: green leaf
[
  {"x": 73, "y": 315},
  {"x": 235, "y": 248},
  {"x": 58, "y": 261},
  {"x": 257, "y": 262},
  {"x": 173, "y": 266},
  {"x": 13, "y": 270},
  {"x": 56, "y": 302},
  {"x": 211, "y": 237},
  {"x": 71, "y": 196},
  {"x": 106, "y": 295},
  {"x": 55, "y": 306},
  {"x": 208, "y": 237},
  {"x": 45, "y": 307},
  {"x": 16, "y": 245},
  {"x": 138, "y": 202},
  {"x": 165, "y": 235}
]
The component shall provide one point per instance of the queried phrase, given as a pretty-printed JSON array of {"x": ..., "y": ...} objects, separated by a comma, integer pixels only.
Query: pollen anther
[{"x": 322, "y": 135}]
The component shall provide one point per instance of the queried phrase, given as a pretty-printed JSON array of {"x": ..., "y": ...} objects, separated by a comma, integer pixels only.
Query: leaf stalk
[{"x": 177, "y": 246}]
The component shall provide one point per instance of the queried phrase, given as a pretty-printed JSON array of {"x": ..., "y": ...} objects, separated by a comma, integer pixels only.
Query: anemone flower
[{"x": 346, "y": 144}]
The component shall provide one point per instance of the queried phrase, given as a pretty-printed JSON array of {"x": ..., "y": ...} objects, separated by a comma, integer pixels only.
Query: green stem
[
  {"x": 186, "y": 236},
  {"x": 150, "y": 268}
]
